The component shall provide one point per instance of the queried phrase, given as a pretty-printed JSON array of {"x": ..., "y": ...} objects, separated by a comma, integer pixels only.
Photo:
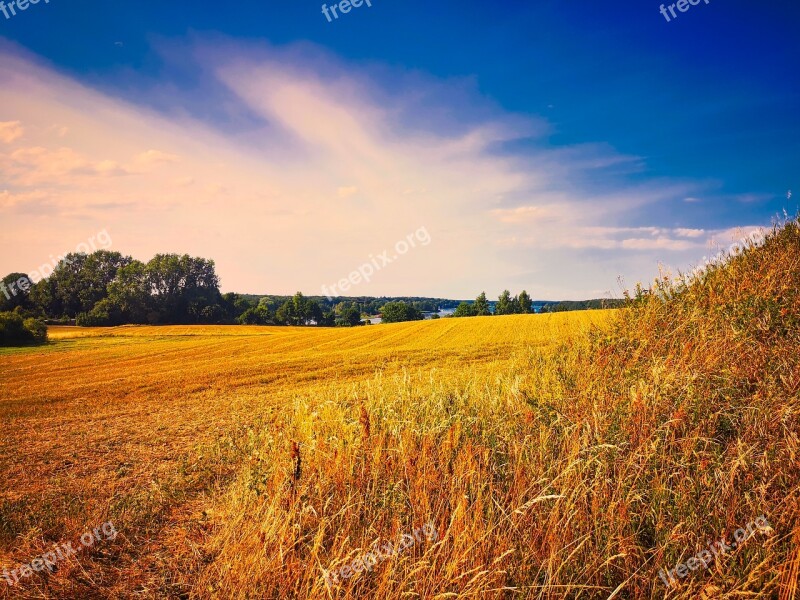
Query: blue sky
[{"x": 560, "y": 146}]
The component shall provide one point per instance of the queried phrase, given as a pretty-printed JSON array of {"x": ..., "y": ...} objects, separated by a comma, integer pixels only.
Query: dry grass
[
  {"x": 558, "y": 456},
  {"x": 156, "y": 428}
]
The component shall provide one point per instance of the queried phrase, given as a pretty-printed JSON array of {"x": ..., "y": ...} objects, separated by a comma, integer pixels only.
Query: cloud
[
  {"x": 10, "y": 131},
  {"x": 254, "y": 183},
  {"x": 690, "y": 233},
  {"x": 155, "y": 157},
  {"x": 346, "y": 192}
]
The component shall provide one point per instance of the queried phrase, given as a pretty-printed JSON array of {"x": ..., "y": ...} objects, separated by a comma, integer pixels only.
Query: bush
[
  {"x": 104, "y": 314},
  {"x": 37, "y": 328},
  {"x": 14, "y": 330}
]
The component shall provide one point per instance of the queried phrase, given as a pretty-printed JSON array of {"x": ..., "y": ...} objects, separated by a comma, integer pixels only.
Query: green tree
[
  {"x": 181, "y": 286},
  {"x": 15, "y": 289},
  {"x": 81, "y": 280},
  {"x": 465, "y": 309},
  {"x": 349, "y": 317},
  {"x": 299, "y": 310},
  {"x": 525, "y": 303},
  {"x": 505, "y": 304},
  {"x": 396, "y": 312},
  {"x": 313, "y": 313},
  {"x": 286, "y": 314},
  {"x": 257, "y": 315},
  {"x": 328, "y": 319},
  {"x": 129, "y": 295},
  {"x": 103, "y": 314},
  {"x": 482, "y": 305}
]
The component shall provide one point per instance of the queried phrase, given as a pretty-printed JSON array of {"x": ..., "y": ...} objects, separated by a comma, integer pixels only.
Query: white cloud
[
  {"x": 10, "y": 131},
  {"x": 154, "y": 157},
  {"x": 346, "y": 191},
  {"x": 164, "y": 183}
]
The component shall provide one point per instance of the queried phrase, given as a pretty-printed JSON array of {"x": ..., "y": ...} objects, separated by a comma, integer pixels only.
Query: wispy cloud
[
  {"x": 338, "y": 160},
  {"x": 10, "y": 131}
]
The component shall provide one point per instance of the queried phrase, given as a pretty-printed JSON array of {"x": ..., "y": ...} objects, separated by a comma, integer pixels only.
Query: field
[
  {"x": 184, "y": 437},
  {"x": 597, "y": 454}
]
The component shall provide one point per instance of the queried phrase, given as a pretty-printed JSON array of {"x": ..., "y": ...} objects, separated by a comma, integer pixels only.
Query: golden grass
[
  {"x": 558, "y": 456},
  {"x": 166, "y": 430}
]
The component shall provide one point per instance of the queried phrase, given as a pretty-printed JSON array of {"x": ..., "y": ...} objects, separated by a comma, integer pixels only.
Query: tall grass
[{"x": 576, "y": 471}]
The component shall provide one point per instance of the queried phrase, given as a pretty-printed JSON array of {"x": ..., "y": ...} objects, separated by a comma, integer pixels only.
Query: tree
[
  {"x": 482, "y": 305},
  {"x": 396, "y": 312},
  {"x": 299, "y": 310},
  {"x": 313, "y": 313},
  {"x": 505, "y": 304},
  {"x": 525, "y": 303},
  {"x": 81, "y": 280},
  {"x": 257, "y": 315},
  {"x": 129, "y": 296},
  {"x": 465, "y": 309},
  {"x": 15, "y": 289},
  {"x": 286, "y": 314},
  {"x": 349, "y": 317},
  {"x": 181, "y": 286},
  {"x": 328, "y": 319},
  {"x": 45, "y": 300},
  {"x": 99, "y": 270},
  {"x": 103, "y": 314},
  {"x": 234, "y": 306}
]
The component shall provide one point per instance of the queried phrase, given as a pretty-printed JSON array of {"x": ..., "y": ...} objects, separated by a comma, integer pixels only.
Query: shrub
[
  {"x": 104, "y": 314},
  {"x": 15, "y": 330},
  {"x": 37, "y": 328}
]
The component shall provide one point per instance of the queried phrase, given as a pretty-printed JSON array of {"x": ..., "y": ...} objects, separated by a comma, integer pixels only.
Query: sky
[{"x": 569, "y": 149}]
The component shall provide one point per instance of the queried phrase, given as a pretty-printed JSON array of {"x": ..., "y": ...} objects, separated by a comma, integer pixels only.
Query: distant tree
[
  {"x": 181, "y": 286},
  {"x": 129, "y": 295},
  {"x": 99, "y": 269},
  {"x": 81, "y": 280},
  {"x": 349, "y": 317},
  {"x": 465, "y": 309},
  {"x": 396, "y": 312},
  {"x": 525, "y": 303},
  {"x": 482, "y": 305},
  {"x": 15, "y": 289},
  {"x": 286, "y": 314},
  {"x": 328, "y": 319},
  {"x": 43, "y": 298},
  {"x": 299, "y": 310},
  {"x": 234, "y": 306},
  {"x": 505, "y": 304},
  {"x": 257, "y": 315}
]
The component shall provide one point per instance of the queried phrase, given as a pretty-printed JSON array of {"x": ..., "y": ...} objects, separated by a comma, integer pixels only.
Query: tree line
[
  {"x": 505, "y": 305},
  {"x": 106, "y": 288}
]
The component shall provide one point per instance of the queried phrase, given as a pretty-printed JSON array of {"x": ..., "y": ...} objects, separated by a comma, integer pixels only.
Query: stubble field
[{"x": 248, "y": 461}]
